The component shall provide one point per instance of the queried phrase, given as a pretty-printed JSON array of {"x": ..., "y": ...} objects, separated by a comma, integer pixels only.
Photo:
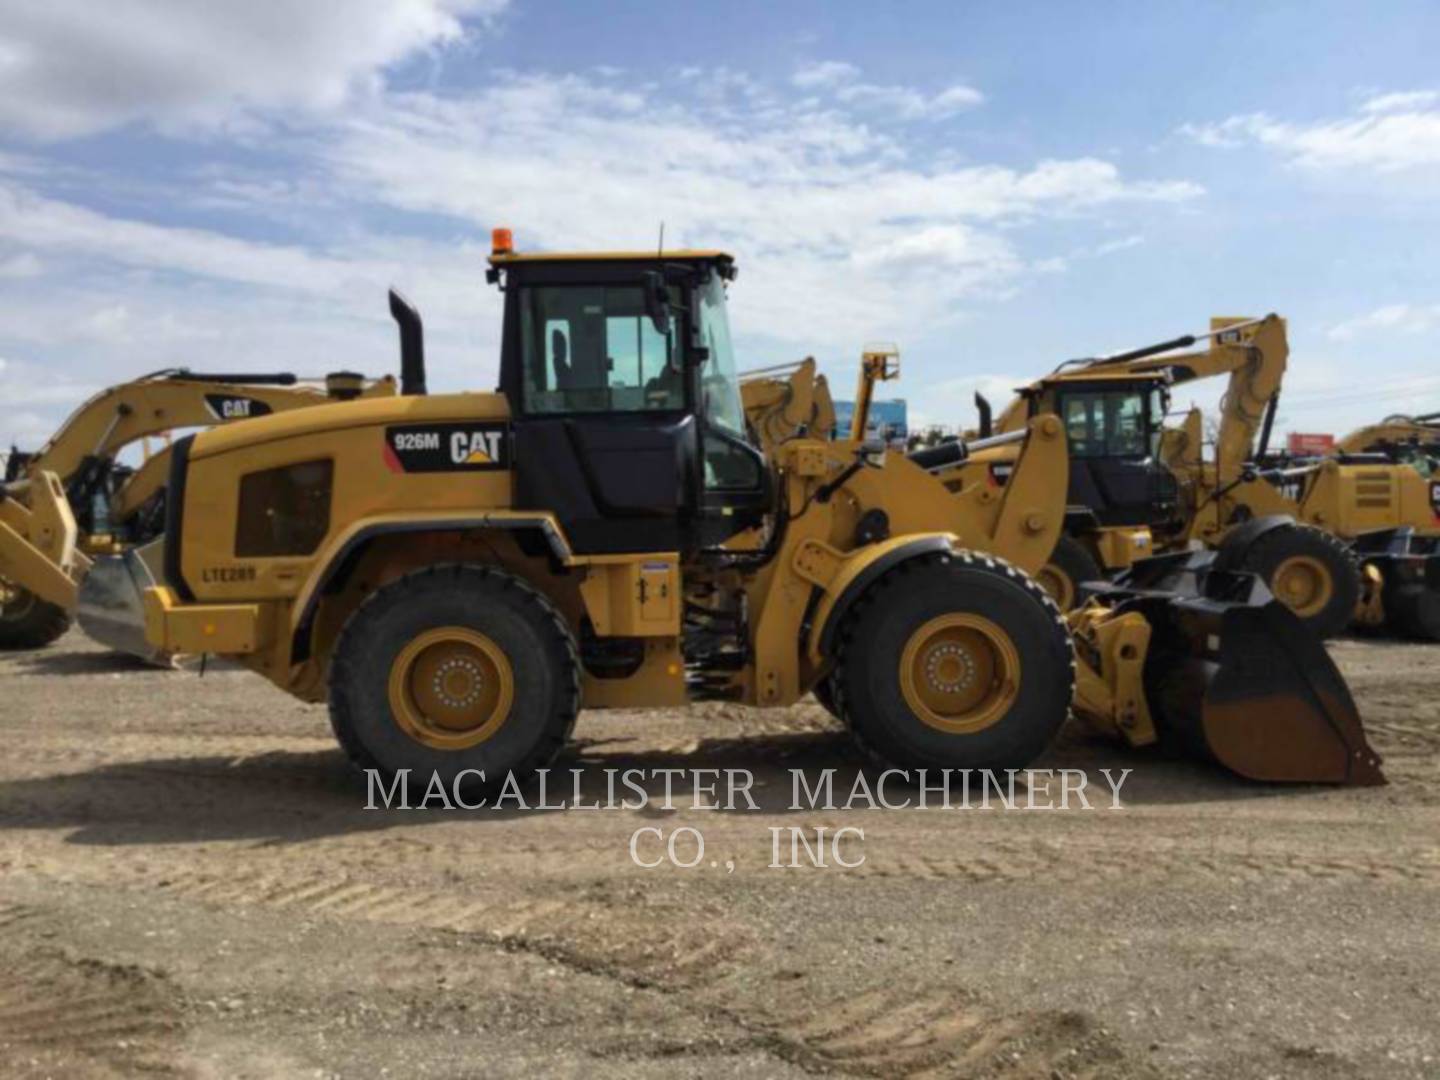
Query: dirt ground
[{"x": 189, "y": 884}]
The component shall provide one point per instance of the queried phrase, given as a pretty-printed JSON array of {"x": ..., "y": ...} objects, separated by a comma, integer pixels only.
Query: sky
[{"x": 994, "y": 187}]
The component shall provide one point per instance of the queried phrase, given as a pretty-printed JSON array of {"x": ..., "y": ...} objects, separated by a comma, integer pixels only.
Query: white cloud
[
  {"x": 1109, "y": 247},
  {"x": 842, "y": 81},
  {"x": 1400, "y": 102},
  {"x": 846, "y": 232},
  {"x": 828, "y": 214},
  {"x": 72, "y": 67},
  {"x": 825, "y": 73},
  {"x": 950, "y": 403},
  {"x": 23, "y": 265},
  {"x": 1388, "y": 133},
  {"x": 1392, "y": 318},
  {"x": 51, "y": 225}
]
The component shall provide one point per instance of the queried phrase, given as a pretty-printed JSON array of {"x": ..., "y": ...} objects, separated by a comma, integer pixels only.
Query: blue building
[{"x": 887, "y": 419}]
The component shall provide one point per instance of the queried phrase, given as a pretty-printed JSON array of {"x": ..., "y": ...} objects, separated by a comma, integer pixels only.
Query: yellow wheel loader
[
  {"x": 73, "y": 501},
  {"x": 1334, "y": 540},
  {"x": 1144, "y": 632},
  {"x": 458, "y": 574}
]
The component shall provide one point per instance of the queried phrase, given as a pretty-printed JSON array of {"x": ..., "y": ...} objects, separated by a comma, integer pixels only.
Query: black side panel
[
  {"x": 616, "y": 486},
  {"x": 175, "y": 517},
  {"x": 633, "y": 469},
  {"x": 1122, "y": 491}
]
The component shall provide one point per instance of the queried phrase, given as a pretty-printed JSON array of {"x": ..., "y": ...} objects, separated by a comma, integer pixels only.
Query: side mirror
[{"x": 657, "y": 301}]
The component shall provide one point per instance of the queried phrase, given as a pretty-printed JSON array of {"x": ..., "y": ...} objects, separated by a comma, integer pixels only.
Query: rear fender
[
  {"x": 342, "y": 553},
  {"x": 1239, "y": 540}
]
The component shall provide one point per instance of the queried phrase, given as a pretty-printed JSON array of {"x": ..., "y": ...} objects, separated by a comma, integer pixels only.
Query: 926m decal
[{"x": 447, "y": 447}]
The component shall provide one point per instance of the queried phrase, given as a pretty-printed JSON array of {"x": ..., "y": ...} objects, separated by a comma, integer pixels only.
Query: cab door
[
  {"x": 1113, "y": 469},
  {"x": 605, "y": 433}
]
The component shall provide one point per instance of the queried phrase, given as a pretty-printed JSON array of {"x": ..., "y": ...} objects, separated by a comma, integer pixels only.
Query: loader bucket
[
  {"x": 1233, "y": 677},
  {"x": 111, "y": 607}
]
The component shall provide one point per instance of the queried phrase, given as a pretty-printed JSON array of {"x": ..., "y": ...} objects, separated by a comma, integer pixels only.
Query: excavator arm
[
  {"x": 123, "y": 414},
  {"x": 49, "y": 528}
]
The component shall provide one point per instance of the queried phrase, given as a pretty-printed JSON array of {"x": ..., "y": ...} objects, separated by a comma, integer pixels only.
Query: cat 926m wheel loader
[
  {"x": 459, "y": 573},
  {"x": 73, "y": 500}
]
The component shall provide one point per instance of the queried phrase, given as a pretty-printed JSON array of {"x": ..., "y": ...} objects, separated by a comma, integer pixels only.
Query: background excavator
[
  {"x": 1414, "y": 440},
  {"x": 616, "y": 537},
  {"x": 1335, "y": 539},
  {"x": 73, "y": 499}
]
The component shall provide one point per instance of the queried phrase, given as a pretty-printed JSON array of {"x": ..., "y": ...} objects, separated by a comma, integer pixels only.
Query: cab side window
[
  {"x": 1106, "y": 424},
  {"x": 593, "y": 349}
]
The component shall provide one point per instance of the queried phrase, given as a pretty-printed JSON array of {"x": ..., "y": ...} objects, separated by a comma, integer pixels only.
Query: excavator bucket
[
  {"x": 111, "y": 606},
  {"x": 1233, "y": 677}
]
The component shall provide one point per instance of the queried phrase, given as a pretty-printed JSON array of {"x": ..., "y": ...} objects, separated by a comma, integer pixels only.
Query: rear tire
[
  {"x": 27, "y": 622},
  {"x": 1310, "y": 572},
  {"x": 961, "y": 661},
  {"x": 1070, "y": 564},
  {"x": 455, "y": 668}
]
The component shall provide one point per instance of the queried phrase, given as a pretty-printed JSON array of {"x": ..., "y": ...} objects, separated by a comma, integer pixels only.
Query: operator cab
[
  {"x": 625, "y": 404},
  {"x": 1113, "y": 426}
]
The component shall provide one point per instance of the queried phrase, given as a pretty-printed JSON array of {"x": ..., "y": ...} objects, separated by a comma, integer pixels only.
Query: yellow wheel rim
[
  {"x": 451, "y": 688},
  {"x": 959, "y": 673},
  {"x": 1303, "y": 584},
  {"x": 1058, "y": 584},
  {"x": 15, "y": 602}
]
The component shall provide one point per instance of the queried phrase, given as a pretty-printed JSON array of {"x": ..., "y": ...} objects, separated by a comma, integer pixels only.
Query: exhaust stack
[{"x": 412, "y": 344}]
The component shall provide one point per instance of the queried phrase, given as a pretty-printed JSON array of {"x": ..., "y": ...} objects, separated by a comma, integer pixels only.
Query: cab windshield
[
  {"x": 719, "y": 385},
  {"x": 1113, "y": 423}
]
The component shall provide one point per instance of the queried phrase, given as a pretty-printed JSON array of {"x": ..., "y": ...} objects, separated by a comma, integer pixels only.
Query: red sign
[{"x": 1301, "y": 444}]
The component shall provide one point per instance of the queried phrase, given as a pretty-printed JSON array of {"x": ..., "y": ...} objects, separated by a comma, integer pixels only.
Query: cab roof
[
  {"x": 510, "y": 258},
  {"x": 1100, "y": 374}
]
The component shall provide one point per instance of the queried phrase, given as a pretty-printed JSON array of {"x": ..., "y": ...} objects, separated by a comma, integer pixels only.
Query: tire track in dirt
[
  {"x": 941, "y": 1032},
  {"x": 1074, "y": 862},
  {"x": 640, "y": 944},
  {"x": 54, "y": 1008}
]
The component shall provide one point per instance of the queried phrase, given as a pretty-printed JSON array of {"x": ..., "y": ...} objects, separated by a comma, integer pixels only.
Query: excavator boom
[{"x": 72, "y": 503}]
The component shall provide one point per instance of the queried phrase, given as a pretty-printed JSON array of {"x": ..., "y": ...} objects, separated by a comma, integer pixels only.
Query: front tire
[
  {"x": 451, "y": 669},
  {"x": 960, "y": 661},
  {"x": 1310, "y": 572},
  {"x": 27, "y": 622}
]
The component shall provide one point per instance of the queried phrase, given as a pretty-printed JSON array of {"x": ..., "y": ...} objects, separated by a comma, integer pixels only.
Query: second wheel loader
[
  {"x": 1336, "y": 540},
  {"x": 458, "y": 574}
]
